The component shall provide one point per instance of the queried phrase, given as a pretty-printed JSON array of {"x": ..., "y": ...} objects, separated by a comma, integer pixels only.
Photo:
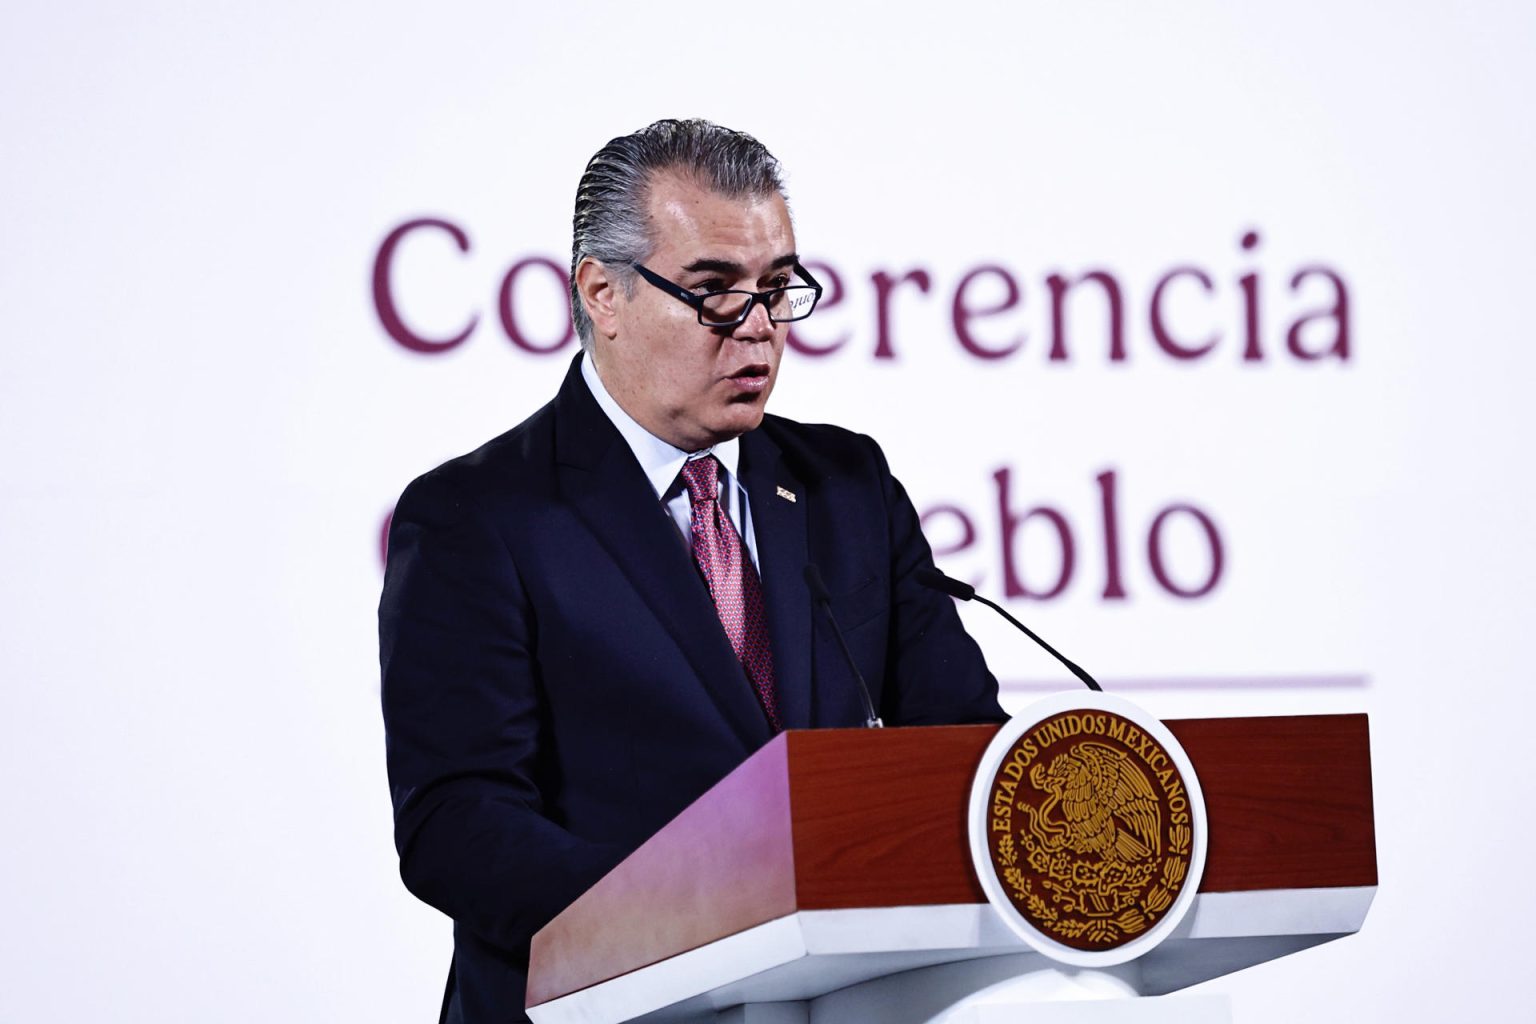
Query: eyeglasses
[{"x": 729, "y": 308}]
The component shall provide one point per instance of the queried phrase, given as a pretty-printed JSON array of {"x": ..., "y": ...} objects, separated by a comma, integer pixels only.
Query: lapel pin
[{"x": 786, "y": 494}]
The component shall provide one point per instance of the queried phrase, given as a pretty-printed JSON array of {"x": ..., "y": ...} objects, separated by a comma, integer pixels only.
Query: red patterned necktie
[{"x": 733, "y": 584}]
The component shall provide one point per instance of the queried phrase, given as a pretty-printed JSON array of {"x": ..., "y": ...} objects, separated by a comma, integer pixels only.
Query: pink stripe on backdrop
[{"x": 1334, "y": 681}]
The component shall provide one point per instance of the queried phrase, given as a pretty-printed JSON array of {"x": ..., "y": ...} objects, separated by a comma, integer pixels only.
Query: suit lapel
[
  {"x": 600, "y": 477},
  {"x": 778, "y": 499}
]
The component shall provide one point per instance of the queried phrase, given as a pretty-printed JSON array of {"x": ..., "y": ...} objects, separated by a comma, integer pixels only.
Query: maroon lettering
[
  {"x": 832, "y": 295},
  {"x": 1249, "y": 282},
  {"x": 1338, "y": 313},
  {"x": 1160, "y": 332},
  {"x": 885, "y": 284},
  {"x": 1114, "y": 589},
  {"x": 1115, "y": 311},
  {"x": 1012, "y": 525},
  {"x": 508, "y": 311},
  {"x": 943, "y": 547},
  {"x": 986, "y": 314},
  {"x": 383, "y": 293},
  {"x": 1159, "y": 566},
  {"x": 962, "y": 313}
]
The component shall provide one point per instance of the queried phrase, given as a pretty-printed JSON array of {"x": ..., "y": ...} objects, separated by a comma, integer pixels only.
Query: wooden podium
[{"x": 828, "y": 878}]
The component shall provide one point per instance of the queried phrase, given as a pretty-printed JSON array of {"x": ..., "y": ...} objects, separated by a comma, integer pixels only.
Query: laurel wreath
[{"x": 1068, "y": 882}]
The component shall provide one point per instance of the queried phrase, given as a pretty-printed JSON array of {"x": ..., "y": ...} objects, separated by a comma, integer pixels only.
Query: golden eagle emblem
[
  {"x": 1090, "y": 829},
  {"x": 1099, "y": 802}
]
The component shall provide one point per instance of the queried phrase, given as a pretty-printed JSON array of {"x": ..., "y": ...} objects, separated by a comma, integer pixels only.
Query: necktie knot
[{"x": 702, "y": 478}]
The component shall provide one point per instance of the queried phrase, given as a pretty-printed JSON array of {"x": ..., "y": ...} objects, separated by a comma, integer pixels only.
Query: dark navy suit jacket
[{"x": 556, "y": 684}]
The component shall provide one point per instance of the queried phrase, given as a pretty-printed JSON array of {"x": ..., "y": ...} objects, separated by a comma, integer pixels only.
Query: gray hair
[{"x": 611, "y": 224}]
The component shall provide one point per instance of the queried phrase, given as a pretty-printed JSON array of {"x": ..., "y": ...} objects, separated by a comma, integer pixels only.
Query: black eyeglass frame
[{"x": 697, "y": 301}]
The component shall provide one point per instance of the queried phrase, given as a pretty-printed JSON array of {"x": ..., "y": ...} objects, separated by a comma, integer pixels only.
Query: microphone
[
  {"x": 820, "y": 596},
  {"x": 935, "y": 580}
]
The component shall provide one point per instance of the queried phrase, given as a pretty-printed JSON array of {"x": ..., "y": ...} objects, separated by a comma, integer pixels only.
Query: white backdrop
[{"x": 205, "y": 421}]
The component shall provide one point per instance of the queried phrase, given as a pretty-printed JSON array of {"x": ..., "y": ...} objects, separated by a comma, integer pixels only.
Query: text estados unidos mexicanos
[{"x": 1061, "y": 727}]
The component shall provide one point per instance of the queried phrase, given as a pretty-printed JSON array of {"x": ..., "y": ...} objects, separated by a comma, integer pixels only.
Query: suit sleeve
[
  {"x": 939, "y": 674},
  {"x": 462, "y": 708}
]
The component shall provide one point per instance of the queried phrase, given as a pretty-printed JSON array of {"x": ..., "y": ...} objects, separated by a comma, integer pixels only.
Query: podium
[{"x": 829, "y": 878}]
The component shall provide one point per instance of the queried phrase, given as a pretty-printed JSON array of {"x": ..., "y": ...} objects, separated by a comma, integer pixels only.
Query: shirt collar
[{"x": 662, "y": 462}]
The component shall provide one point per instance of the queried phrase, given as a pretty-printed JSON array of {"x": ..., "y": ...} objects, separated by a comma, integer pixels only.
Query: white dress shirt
[{"x": 663, "y": 466}]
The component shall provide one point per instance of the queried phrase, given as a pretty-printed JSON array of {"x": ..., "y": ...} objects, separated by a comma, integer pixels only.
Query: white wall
[{"x": 205, "y": 422}]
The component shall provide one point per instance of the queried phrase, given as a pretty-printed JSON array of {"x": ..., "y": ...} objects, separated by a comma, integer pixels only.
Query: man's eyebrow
[{"x": 736, "y": 269}]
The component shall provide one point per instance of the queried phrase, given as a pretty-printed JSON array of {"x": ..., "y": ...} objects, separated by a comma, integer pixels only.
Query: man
[{"x": 596, "y": 616}]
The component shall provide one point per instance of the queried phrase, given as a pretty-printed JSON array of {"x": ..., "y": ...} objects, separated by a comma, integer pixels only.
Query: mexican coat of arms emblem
[{"x": 1087, "y": 828}]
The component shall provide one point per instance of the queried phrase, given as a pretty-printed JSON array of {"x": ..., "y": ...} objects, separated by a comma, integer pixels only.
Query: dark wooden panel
[
  {"x": 880, "y": 815},
  {"x": 1288, "y": 799}
]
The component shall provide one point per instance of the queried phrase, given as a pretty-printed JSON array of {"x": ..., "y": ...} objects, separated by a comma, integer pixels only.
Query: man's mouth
[{"x": 751, "y": 379}]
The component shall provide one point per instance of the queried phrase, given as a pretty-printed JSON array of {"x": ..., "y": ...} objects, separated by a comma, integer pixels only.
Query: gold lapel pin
[{"x": 786, "y": 494}]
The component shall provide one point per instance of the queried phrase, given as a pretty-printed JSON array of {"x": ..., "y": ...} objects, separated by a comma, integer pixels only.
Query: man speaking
[{"x": 594, "y": 617}]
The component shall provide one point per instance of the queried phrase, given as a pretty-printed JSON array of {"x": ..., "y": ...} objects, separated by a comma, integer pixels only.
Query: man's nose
[{"x": 757, "y": 326}]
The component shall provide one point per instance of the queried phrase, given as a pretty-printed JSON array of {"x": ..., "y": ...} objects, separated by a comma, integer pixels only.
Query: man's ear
[{"x": 598, "y": 291}]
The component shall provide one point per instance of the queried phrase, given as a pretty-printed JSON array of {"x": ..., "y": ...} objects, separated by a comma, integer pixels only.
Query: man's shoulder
[
  {"x": 521, "y": 460},
  {"x": 825, "y": 446}
]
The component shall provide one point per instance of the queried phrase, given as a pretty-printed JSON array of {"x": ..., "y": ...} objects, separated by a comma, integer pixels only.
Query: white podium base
[
  {"x": 952, "y": 965},
  {"x": 1155, "y": 1010},
  {"x": 996, "y": 990}
]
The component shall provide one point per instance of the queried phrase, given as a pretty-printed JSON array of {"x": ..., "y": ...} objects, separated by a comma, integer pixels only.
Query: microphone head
[
  {"x": 935, "y": 580},
  {"x": 817, "y": 585}
]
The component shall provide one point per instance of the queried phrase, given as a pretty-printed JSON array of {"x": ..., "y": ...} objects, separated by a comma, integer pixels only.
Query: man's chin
[{"x": 738, "y": 419}]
